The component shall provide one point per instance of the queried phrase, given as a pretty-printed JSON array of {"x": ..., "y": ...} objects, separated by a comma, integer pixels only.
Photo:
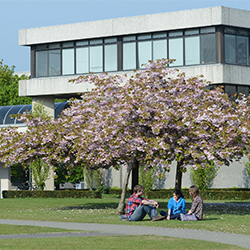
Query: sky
[{"x": 25, "y": 14}]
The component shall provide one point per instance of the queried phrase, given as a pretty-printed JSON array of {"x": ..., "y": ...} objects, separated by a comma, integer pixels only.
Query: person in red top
[{"x": 137, "y": 207}]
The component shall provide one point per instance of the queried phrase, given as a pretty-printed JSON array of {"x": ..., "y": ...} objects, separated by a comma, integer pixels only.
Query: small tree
[
  {"x": 40, "y": 172},
  {"x": 94, "y": 178},
  {"x": 203, "y": 177},
  {"x": 147, "y": 177}
]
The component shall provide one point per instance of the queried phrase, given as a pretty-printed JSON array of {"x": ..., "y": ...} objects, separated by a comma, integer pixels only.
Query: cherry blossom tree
[{"x": 155, "y": 117}]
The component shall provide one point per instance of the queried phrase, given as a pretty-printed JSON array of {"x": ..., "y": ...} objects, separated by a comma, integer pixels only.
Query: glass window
[
  {"x": 160, "y": 49},
  {"x": 129, "y": 56},
  {"x": 242, "y": 32},
  {"x": 176, "y": 51},
  {"x": 230, "y": 90},
  {"x": 175, "y": 33},
  {"x": 68, "y": 44},
  {"x": 144, "y": 52},
  {"x": 82, "y": 60},
  {"x": 82, "y": 43},
  {"x": 95, "y": 41},
  {"x": 192, "y": 32},
  {"x": 208, "y": 49},
  {"x": 111, "y": 57},
  {"x": 207, "y": 30},
  {"x": 68, "y": 61},
  {"x": 54, "y": 45},
  {"x": 192, "y": 50},
  {"x": 96, "y": 59},
  {"x": 230, "y": 30},
  {"x": 242, "y": 56},
  {"x": 54, "y": 62},
  {"x": 230, "y": 49},
  {"x": 128, "y": 38},
  {"x": 41, "y": 46},
  {"x": 159, "y": 35},
  {"x": 243, "y": 90},
  {"x": 41, "y": 63},
  {"x": 144, "y": 37},
  {"x": 110, "y": 40}
]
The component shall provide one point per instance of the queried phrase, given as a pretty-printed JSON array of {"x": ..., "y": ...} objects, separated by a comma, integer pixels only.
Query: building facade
[{"x": 213, "y": 42}]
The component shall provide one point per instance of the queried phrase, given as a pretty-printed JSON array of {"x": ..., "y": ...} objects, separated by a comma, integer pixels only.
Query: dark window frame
[{"x": 119, "y": 42}]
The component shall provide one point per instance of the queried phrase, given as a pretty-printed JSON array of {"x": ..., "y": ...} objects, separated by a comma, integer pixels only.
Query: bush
[
  {"x": 72, "y": 193},
  {"x": 210, "y": 194}
]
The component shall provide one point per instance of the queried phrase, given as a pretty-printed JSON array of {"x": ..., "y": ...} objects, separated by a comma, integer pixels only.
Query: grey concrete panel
[
  {"x": 138, "y": 24},
  {"x": 52, "y": 86},
  {"x": 56, "y": 86}
]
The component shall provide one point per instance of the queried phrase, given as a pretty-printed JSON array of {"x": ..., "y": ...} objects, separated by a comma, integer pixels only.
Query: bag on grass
[{"x": 188, "y": 217}]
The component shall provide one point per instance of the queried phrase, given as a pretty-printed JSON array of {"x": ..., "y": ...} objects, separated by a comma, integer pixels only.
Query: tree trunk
[
  {"x": 178, "y": 177},
  {"x": 135, "y": 175},
  {"x": 120, "y": 208}
]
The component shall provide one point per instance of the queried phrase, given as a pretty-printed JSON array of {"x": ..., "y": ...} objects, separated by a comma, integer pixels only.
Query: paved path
[{"x": 106, "y": 229}]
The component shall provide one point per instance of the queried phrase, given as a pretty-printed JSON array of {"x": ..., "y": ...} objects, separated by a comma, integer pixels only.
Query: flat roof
[{"x": 138, "y": 24}]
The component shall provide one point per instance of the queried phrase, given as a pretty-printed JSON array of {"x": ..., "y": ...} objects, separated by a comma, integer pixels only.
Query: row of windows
[{"x": 190, "y": 47}]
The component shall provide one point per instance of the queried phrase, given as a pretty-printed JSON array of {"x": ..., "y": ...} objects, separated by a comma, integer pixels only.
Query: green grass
[
  {"x": 16, "y": 229},
  {"x": 112, "y": 242},
  {"x": 222, "y": 218}
]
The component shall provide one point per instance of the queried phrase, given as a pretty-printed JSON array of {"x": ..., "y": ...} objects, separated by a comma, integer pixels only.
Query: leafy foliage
[
  {"x": 156, "y": 116},
  {"x": 247, "y": 164},
  {"x": 203, "y": 177},
  {"x": 9, "y": 87},
  {"x": 40, "y": 172},
  {"x": 94, "y": 179},
  {"x": 147, "y": 178}
]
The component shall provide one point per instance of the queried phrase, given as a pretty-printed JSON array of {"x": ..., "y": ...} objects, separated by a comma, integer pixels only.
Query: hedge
[
  {"x": 210, "y": 194},
  {"x": 71, "y": 193}
]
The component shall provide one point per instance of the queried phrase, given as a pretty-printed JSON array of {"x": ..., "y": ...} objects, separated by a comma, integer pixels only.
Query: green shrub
[
  {"x": 203, "y": 177},
  {"x": 210, "y": 194},
  {"x": 71, "y": 193}
]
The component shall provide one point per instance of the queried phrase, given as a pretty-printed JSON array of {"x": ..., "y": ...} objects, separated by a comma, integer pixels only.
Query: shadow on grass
[
  {"x": 239, "y": 208},
  {"x": 111, "y": 205}
]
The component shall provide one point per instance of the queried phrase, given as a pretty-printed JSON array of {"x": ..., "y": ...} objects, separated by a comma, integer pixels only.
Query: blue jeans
[
  {"x": 141, "y": 212},
  {"x": 172, "y": 216}
]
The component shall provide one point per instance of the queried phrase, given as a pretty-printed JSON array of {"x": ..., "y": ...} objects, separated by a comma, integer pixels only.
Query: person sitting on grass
[
  {"x": 196, "y": 211},
  {"x": 137, "y": 207},
  {"x": 176, "y": 205}
]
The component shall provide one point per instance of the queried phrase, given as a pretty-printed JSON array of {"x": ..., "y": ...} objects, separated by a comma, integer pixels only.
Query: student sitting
[{"x": 176, "y": 206}]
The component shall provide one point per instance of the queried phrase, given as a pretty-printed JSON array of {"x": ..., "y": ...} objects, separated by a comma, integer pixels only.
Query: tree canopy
[
  {"x": 9, "y": 86},
  {"x": 156, "y": 116}
]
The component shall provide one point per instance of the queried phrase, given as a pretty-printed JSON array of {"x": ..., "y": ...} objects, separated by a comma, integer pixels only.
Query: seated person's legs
[
  {"x": 141, "y": 212},
  {"x": 138, "y": 214},
  {"x": 175, "y": 216},
  {"x": 151, "y": 211}
]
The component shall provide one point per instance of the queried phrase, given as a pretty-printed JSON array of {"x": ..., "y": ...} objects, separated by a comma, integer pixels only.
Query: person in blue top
[{"x": 176, "y": 205}]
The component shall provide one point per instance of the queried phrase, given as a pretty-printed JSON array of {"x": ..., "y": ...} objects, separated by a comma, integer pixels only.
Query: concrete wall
[
  {"x": 137, "y": 24},
  {"x": 56, "y": 86},
  {"x": 4, "y": 179},
  {"x": 234, "y": 175}
]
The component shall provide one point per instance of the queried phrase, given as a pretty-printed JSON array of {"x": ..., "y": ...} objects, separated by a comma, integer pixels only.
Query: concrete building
[{"x": 213, "y": 42}]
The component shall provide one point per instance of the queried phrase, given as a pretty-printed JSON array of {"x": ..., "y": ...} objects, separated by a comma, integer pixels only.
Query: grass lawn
[
  {"x": 112, "y": 242},
  {"x": 16, "y": 229},
  {"x": 233, "y": 218}
]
